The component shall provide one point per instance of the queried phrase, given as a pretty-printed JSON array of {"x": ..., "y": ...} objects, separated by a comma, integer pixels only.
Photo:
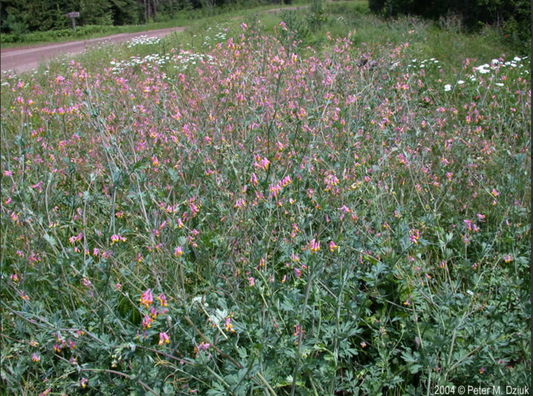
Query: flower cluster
[{"x": 143, "y": 40}]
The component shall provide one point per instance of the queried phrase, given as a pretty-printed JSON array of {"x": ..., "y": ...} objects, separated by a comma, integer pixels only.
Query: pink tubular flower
[
  {"x": 147, "y": 298},
  {"x": 240, "y": 203},
  {"x": 252, "y": 281},
  {"x": 331, "y": 181},
  {"x": 332, "y": 246},
  {"x": 35, "y": 358},
  {"x": 115, "y": 238},
  {"x": 285, "y": 181},
  {"x": 314, "y": 246},
  {"x": 253, "y": 179},
  {"x": 83, "y": 382},
  {"x": 163, "y": 338},
  {"x": 414, "y": 236},
  {"x": 162, "y": 300},
  {"x": 228, "y": 325},
  {"x": 204, "y": 346},
  {"x": 345, "y": 210},
  {"x": 147, "y": 322},
  {"x": 178, "y": 251}
]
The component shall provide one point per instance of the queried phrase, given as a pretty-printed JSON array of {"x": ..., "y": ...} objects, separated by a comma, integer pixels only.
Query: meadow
[{"x": 288, "y": 204}]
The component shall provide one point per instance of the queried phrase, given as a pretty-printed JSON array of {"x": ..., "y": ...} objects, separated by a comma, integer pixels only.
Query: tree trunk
[{"x": 145, "y": 11}]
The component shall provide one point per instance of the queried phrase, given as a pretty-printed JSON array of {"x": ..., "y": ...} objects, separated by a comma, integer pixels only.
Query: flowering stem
[
  {"x": 122, "y": 375},
  {"x": 300, "y": 336},
  {"x": 210, "y": 343}
]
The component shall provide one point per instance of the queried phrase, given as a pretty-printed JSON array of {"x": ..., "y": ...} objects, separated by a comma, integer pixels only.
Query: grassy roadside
[
  {"x": 92, "y": 32},
  {"x": 443, "y": 40}
]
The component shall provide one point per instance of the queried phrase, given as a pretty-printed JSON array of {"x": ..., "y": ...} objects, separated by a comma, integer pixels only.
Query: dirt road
[{"x": 28, "y": 58}]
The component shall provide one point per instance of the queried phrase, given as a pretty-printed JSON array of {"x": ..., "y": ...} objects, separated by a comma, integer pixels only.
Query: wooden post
[{"x": 73, "y": 15}]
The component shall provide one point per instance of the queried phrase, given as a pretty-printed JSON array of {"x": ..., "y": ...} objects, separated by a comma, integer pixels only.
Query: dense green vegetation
[
  {"x": 305, "y": 203},
  {"x": 25, "y": 16},
  {"x": 511, "y": 17},
  {"x": 26, "y": 21}
]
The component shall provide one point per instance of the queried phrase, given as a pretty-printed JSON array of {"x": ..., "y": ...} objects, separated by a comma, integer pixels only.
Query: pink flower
[
  {"x": 252, "y": 281},
  {"x": 240, "y": 203},
  {"x": 345, "y": 210},
  {"x": 115, "y": 238},
  {"x": 314, "y": 246},
  {"x": 253, "y": 179},
  {"x": 35, "y": 358},
  {"x": 414, "y": 236},
  {"x": 204, "y": 346},
  {"x": 38, "y": 186},
  {"x": 147, "y": 298},
  {"x": 162, "y": 300},
  {"x": 228, "y": 325},
  {"x": 147, "y": 322},
  {"x": 178, "y": 251},
  {"x": 163, "y": 338}
]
